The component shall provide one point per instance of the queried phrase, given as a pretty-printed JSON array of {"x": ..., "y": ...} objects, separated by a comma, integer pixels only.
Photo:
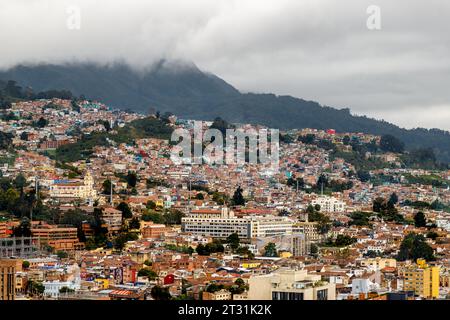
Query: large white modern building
[
  {"x": 290, "y": 284},
  {"x": 221, "y": 223},
  {"x": 329, "y": 204}
]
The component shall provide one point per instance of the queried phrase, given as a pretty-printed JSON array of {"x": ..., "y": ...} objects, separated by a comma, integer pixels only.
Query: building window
[
  {"x": 287, "y": 295},
  {"x": 322, "y": 294}
]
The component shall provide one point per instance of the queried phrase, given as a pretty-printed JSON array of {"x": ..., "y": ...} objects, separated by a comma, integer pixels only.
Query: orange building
[
  {"x": 65, "y": 239},
  {"x": 154, "y": 230},
  {"x": 7, "y": 279},
  {"x": 3, "y": 230}
]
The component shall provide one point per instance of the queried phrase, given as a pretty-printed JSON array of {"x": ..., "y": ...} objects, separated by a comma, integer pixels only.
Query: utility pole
[
  {"x": 36, "y": 180},
  {"x": 190, "y": 188},
  {"x": 36, "y": 187},
  {"x": 111, "y": 192}
]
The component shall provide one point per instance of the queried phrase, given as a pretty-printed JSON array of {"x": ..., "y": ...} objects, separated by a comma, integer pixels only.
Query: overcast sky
[{"x": 318, "y": 50}]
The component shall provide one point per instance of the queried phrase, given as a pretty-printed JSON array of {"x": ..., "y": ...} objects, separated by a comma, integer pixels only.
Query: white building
[
  {"x": 222, "y": 223},
  {"x": 73, "y": 282},
  {"x": 297, "y": 244},
  {"x": 329, "y": 204},
  {"x": 290, "y": 284},
  {"x": 364, "y": 286}
]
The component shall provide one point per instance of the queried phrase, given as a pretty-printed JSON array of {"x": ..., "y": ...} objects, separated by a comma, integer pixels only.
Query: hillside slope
[{"x": 188, "y": 92}]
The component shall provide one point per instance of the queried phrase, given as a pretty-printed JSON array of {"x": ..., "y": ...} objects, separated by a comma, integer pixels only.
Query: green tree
[
  {"x": 307, "y": 139},
  {"x": 346, "y": 140},
  {"x": 146, "y": 272},
  {"x": 24, "y": 228},
  {"x": 413, "y": 247},
  {"x": 160, "y": 293},
  {"x": 62, "y": 254},
  {"x": 135, "y": 223},
  {"x": 151, "y": 205},
  {"x": 42, "y": 122},
  {"x": 199, "y": 196},
  {"x": 20, "y": 182},
  {"x": 314, "y": 250},
  {"x": 121, "y": 240},
  {"x": 131, "y": 179},
  {"x": 107, "y": 125},
  {"x": 389, "y": 143},
  {"x": 212, "y": 287},
  {"x": 270, "y": 250},
  {"x": 419, "y": 220},
  {"x": 432, "y": 235},
  {"x": 24, "y": 136},
  {"x": 126, "y": 211},
  {"x": 342, "y": 241},
  {"x": 35, "y": 288},
  {"x": 153, "y": 216},
  {"x": 245, "y": 252},
  {"x": 238, "y": 198},
  {"x": 148, "y": 263},
  {"x": 233, "y": 241},
  {"x": 220, "y": 125},
  {"x": 200, "y": 249},
  {"x": 393, "y": 199},
  {"x": 173, "y": 217},
  {"x": 107, "y": 187},
  {"x": 66, "y": 290},
  {"x": 363, "y": 175}
]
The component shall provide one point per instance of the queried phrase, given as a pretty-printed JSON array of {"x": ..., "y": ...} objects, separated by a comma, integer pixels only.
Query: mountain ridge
[{"x": 191, "y": 93}]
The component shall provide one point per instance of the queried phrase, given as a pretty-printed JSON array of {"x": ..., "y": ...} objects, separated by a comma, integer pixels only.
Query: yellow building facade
[{"x": 422, "y": 279}]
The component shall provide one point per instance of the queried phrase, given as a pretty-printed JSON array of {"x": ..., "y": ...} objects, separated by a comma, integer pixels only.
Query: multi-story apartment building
[
  {"x": 222, "y": 223},
  {"x": 329, "y": 204},
  {"x": 7, "y": 279},
  {"x": 59, "y": 238},
  {"x": 3, "y": 229},
  {"x": 113, "y": 219},
  {"x": 379, "y": 263},
  {"x": 422, "y": 279},
  {"x": 290, "y": 284},
  {"x": 20, "y": 247},
  {"x": 309, "y": 229}
]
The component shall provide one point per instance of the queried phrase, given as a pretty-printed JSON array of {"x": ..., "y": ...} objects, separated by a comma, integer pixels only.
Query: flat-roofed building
[
  {"x": 309, "y": 229},
  {"x": 112, "y": 218},
  {"x": 153, "y": 231},
  {"x": 3, "y": 229},
  {"x": 422, "y": 279},
  {"x": 7, "y": 279},
  {"x": 221, "y": 223},
  {"x": 19, "y": 247},
  {"x": 60, "y": 238},
  {"x": 290, "y": 284},
  {"x": 329, "y": 204}
]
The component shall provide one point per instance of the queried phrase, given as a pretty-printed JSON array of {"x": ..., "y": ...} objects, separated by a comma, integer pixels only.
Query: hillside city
[{"x": 93, "y": 208}]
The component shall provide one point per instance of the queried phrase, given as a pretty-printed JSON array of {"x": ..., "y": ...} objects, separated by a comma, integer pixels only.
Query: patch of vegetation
[{"x": 138, "y": 129}]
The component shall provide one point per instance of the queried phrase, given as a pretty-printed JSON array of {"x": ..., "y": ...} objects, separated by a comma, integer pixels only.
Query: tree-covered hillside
[{"x": 190, "y": 93}]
